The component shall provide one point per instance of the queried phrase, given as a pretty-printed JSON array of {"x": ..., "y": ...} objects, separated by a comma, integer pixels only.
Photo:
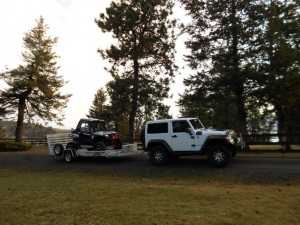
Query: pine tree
[
  {"x": 99, "y": 105},
  {"x": 278, "y": 59},
  {"x": 144, "y": 54},
  {"x": 33, "y": 87},
  {"x": 218, "y": 44}
]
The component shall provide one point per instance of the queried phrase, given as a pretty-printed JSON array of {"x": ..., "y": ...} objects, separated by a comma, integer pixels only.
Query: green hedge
[{"x": 10, "y": 146}]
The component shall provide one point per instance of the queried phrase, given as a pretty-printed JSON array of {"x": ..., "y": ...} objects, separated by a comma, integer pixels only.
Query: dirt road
[{"x": 253, "y": 169}]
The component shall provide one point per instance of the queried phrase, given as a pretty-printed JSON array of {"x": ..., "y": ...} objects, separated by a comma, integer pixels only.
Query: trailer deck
[{"x": 62, "y": 140}]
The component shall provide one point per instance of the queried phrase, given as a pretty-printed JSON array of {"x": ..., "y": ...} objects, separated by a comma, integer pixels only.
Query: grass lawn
[{"x": 43, "y": 197}]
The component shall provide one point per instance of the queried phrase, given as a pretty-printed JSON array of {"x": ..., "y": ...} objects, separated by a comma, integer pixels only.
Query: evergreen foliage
[
  {"x": 113, "y": 105},
  {"x": 8, "y": 146},
  {"x": 246, "y": 58},
  {"x": 33, "y": 87},
  {"x": 31, "y": 130},
  {"x": 143, "y": 58},
  {"x": 99, "y": 106},
  {"x": 275, "y": 47},
  {"x": 2, "y": 131}
]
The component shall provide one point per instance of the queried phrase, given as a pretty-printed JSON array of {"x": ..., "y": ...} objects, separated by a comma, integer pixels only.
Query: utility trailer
[{"x": 62, "y": 145}]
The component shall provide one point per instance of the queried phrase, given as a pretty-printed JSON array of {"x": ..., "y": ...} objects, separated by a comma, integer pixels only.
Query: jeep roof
[
  {"x": 90, "y": 119},
  {"x": 168, "y": 120}
]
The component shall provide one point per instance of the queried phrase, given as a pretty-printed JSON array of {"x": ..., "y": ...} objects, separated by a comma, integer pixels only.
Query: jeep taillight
[{"x": 114, "y": 136}]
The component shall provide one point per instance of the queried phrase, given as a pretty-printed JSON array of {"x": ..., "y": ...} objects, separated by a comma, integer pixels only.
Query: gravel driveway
[{"x": 253, "y": 169}]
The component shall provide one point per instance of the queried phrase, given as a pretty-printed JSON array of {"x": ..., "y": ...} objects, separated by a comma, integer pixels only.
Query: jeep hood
[{"x": 214, "y": 132}]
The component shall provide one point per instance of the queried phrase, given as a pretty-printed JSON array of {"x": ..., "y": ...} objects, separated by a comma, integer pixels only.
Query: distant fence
[
  {"x": 288, "y": 142},
  {"x": 32, "y": 141}
]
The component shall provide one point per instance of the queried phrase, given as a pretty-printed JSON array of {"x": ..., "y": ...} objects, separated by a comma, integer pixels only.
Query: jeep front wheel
[
  {"x": 158, "y": 155},
  {"x": 219, "y": 155}
]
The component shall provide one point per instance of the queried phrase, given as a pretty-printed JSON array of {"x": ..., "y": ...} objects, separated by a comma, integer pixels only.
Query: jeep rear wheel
[
  {"x": 100, "y": 146},
  {"x": 219, "y": 155},
  {"x": 158, "y": 155}
]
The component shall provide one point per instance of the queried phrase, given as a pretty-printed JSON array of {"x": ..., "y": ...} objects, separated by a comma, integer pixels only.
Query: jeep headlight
[
  {"x": 234, "y": 138},
  {"x": 230, "y": 139}
]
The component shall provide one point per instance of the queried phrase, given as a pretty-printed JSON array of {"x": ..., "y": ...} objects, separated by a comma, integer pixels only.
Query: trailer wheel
[
  {"x": 68, "y": 157},
  {"x": 58, "y": 149},
  {"x": 100, "y": 146},
  {"x": 71, "y": 145}
]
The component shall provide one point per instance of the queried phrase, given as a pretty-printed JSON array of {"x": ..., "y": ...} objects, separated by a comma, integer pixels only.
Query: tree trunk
[
  {"x": 20, "y": 122},
  {"x": 281, "y": 128},
  {"x": 134, "y": 104},
  {"x": 280, "y": 119},
  {"x": 242, "y": 114},
  {"x": 238, "y": 84}
]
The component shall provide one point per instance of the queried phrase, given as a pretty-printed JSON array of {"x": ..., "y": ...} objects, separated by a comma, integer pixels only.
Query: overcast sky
[{"x": 72, "y": 21}]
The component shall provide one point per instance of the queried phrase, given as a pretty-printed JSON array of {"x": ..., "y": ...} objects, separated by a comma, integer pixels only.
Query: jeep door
[
  {"x": 85, "y": 135},
  {"x": 181, "y": 136}
]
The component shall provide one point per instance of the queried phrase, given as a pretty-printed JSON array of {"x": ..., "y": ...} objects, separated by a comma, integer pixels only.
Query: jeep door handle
[{"x": 174, "y": 136}]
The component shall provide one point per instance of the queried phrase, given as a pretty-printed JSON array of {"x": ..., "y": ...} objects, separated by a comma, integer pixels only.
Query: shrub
[{"x": 10, "y": 146}]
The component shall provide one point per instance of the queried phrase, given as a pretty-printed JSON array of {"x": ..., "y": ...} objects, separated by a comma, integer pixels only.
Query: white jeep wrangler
[{"x": 165, "y": 139}]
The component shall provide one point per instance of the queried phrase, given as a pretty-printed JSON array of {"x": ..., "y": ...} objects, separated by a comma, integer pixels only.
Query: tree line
[
  {"x": 31, "y": 130},
  {"x": 244, "y": 56},
  {"x": 246, "y": 61}
]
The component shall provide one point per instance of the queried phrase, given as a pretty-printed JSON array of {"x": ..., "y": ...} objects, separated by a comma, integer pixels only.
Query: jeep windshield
[
  {"x": 197, "y": 124},
  {"x": 99, "y": 126}
]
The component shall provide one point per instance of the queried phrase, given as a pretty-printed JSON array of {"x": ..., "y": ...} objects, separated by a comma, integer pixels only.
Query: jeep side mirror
[{"x": 199, "y": 133}]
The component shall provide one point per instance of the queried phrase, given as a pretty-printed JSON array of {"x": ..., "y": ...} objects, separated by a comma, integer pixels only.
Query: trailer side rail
[{"x": 54, "y": 139}]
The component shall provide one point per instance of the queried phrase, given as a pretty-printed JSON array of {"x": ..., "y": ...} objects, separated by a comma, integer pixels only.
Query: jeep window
[
  {"x": 84, "y": 127},
  {"x": 99, "y": 126},
  {"x": 155, "y": 128},
  {"x": 196, "y": 124},
  {"x": 180, "y": 126}
]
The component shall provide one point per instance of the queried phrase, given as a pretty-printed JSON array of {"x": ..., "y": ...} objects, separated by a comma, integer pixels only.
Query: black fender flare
[
  {"x": 215, "y": 139},
  {"x": 161, "y": 143}
]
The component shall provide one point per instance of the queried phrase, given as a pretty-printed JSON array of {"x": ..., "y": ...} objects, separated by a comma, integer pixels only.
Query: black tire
[
  {"x": 118, "y": 144},
  {"x": 58, "y": 149},
  {"x": 100, "y": 146},
  {"x": 68, "y": 157},
  {"x": 158, "y": 155},
  {"x": 71, "y": 145},
  {"x": 219, "y": 155}
]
